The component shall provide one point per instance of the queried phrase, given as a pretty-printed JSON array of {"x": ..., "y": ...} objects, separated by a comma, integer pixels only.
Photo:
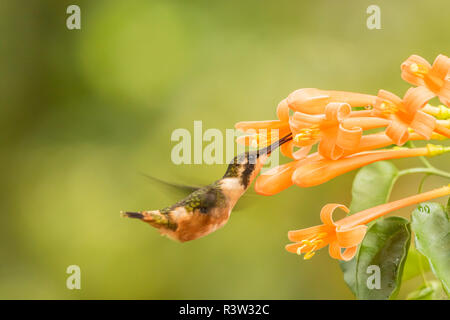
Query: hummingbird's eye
[{"x": 203, "y": 209}]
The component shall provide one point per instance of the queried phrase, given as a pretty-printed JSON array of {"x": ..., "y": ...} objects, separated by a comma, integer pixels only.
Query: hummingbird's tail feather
[
  {"x": 134, "y": 215},
  {"x": 155, "y": 218}
]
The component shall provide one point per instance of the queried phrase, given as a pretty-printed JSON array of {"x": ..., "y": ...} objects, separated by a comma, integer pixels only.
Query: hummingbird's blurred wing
[{"x": 181, "y": 189}]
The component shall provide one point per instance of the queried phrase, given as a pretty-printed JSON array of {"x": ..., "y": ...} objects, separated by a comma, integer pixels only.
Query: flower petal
[
  {"x": 440, "y": 68},
  {"x": 313, "y": 101},
  {"x": 423, "y": 124},
  {"x": 337, "y": 111},
  {"x": 297, "y": 125},
  {"x": 416, "y": 98},
  {"x": 365, "y": 122},
  {"x": 398, "y": 132},
  {"x": 350, "y": 237},
  {"x": 384, "y": 95},
  {"x": 349, "y": 139},
  {"x": 407, "y": 73},
  {"x": 302, "y": 234},
  {"x": 256, "y": 125},
  {"x": 302, "y": 152},
  {"x": 308, "y": 100},
  {"x": 444, "y": 93},
  {"x": 275, "y": 179},
  {"x": 307, "y": 119},
  {"x": 349, "y": 253},
  {"x": 327, "y": 146},
  {"x": 283, "y": 111},
  {"x": 312, "y": 172},
  {"x": 287, "y": 148},
  {"x": 293, "y": 247},
  {"x": 326, "y": 214},
  {"x": 335, "y": 252}
]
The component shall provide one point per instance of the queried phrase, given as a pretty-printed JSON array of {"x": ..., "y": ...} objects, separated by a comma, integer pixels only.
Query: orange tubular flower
[
  {"x": 266, "y": 126},
  {"x": 417, "y": 71},
  {"x": 262, "y": 131},
  {"x": 313, "y": 101},
  {"x": 313, "y": 173},
  {"x": 279, "y": 178},
  {"x": 348, "y": 232},
  {"x": 336, "y": 130},
  {"x": 314, "y": 169},
  {"x": 381, "y": 140},
  {"x": 405, "y": 113},
  {"x": 276, "y": 179}
]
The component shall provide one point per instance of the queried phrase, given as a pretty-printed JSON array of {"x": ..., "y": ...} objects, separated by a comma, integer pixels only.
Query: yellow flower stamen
[
  {"x": 307, "y": 134},
  {"x": 309, "y": 254},
  {"x": 312, "y": 241},
  {"x": 418, "y": 69},
  {"x": 259, "y": 140},
  {"x": 299, "y": 249},
  {"x": 388, "y": 107}
]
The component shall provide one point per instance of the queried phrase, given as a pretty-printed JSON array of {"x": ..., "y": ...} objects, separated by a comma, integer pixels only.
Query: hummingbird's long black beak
[
  {"x": 134, "y": 215},
  {"x": 276, "y": 144}
]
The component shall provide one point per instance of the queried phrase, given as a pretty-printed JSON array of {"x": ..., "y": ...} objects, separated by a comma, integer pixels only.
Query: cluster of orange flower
[{"x": 336, "y": 121}]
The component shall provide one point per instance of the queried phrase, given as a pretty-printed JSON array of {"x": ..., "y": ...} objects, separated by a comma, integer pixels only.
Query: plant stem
[
  {"x": 422, "y": 182},
  {"x": 422, "y": 158},
  {"x": 432, "y": 171},
  {"x": 426, "y": 162}
]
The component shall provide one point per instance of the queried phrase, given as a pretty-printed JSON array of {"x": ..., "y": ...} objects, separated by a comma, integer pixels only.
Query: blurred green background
[{"x": 84, "y": 111}]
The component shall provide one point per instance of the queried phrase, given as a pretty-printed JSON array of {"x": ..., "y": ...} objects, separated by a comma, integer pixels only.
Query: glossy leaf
[
  {"x": 431, "y": 225},
  {"x": 414, "y": 262},
  {"x": 371, "y": 187},
  {"x": 385, "y": 247},
  {"x": 349, "y": 270}
]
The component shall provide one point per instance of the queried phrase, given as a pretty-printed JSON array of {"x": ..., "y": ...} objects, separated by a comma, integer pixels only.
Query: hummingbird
[{"x": 208, "y": 208}]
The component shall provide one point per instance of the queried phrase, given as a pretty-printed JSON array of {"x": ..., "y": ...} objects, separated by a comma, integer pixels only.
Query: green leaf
[
  {"x": 414, "y": 262},
  {"x": 385, "y": 248},
  {"x": 349, "y": 270},
  {"x": 431, "y": 225},
  {"x": 427, "y": 291},
  {"x": 371, "y": 187}
]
